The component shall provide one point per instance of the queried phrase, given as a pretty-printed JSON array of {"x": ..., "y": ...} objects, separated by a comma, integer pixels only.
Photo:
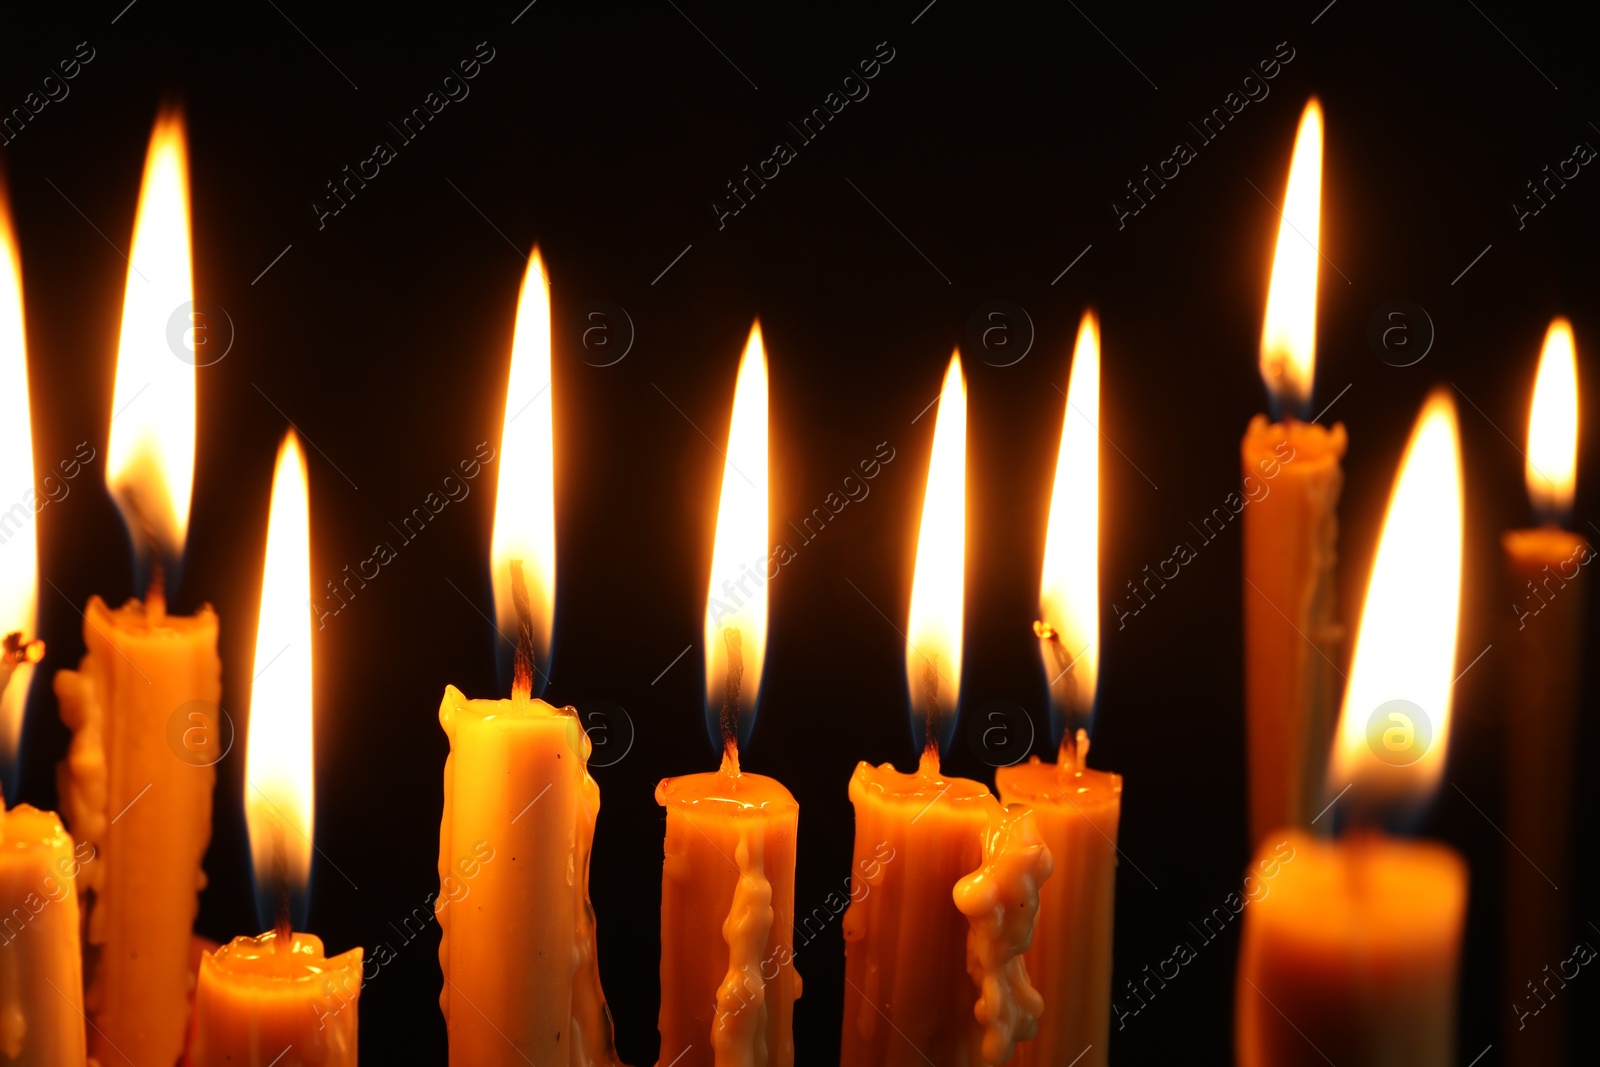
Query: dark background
[{"x": 995, "y": 141}]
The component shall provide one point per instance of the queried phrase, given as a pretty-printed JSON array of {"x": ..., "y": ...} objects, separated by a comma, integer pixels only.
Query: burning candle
[
  {"x": 728, "y": 980},
  {"x": 945, "y": 885},
  {"x": 39, "y": 864},
  {"x": 1353, "y": 957},
  {"x": 276, "y": 998},
  {"x": 1292, "y": 480},
  {"x": 1077, "y": 809},
  {"x": 140, "y": 800},
  {"x": 1543, "y": 676},
  {"x": 517, "y": 933}
]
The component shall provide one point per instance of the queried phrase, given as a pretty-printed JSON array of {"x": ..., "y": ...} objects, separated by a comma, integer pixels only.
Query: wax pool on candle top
[
  {"x": 517, "y": 942},
  {"x": 259, "y": 999},
  {"x": 41, "y": 967},
  {"x": 728, "y": 979},
  {"x": 1290, "y": 500},
  {"x": 145, "y": 811},
  {"x": 1077, "y": 811},
  {"x": 1353, "y": 956}
]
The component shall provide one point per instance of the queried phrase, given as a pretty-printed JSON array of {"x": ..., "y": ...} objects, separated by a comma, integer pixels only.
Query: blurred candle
[
  {"x": 143, "y": 704},
  {"x": 1077, "y": 809},
  {"x": 1353, "y": 958},
  {"x": 1292, "y": 480},
  {"x": 517, "y": 933},
  {"x": 945, "y": 883},
  {"x": 276, "y": 999},
  {"x": 728, "y": 980},
  {"x": 1543, "y": 674}
]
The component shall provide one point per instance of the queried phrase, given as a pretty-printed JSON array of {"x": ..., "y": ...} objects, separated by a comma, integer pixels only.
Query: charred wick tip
[
  {"x": 933, "y": 726},
  {"x": 734, "y": 641},
  {"x": 282, "y": 927},
  {"x": 522, "y": 670}
]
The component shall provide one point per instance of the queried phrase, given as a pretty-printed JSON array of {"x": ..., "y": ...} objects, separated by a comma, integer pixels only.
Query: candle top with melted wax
[
  {"x": 728, "y": 791},
  {"x": 271, "y": 960},
  {"x": 1068, "y": 780},
  {"x": 26, "y": 827},
  {"x": 889, "y": 785}
]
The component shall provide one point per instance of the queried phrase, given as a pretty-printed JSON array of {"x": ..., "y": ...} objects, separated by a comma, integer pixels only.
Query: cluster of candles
[{"x": 980, "y": 926}]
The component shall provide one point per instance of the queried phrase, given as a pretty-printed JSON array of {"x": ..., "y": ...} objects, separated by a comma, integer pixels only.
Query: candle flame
[
  {"x": 1552, "y": 461},
  {"x": 1289, "y": 330},
  {"x": 150, "y": 456},
  {"x": 1069, "y": 588},
  {"x": 1394, "y": 729},
  {"x": 736, "y": 598},
  {"x": 19, "y": 540},
  {"x": 278, "y": 797},
  {"x": 933, "y": 633},
  {"x": 525, "y": 504}
]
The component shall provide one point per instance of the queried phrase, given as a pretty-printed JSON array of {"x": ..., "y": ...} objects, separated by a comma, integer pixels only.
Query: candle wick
[
  {"x": 1061, "y": 684},
  {"x": 522, "y": 671},
  {"x": 282, "y": 930},
  {"x": 733, "y": 640},
  {"x": 155, "y": 600},
  {"x": 933, "y": 725}
]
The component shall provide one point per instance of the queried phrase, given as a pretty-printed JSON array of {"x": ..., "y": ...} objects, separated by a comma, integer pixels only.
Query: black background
[{"x": 995, "y": 141}]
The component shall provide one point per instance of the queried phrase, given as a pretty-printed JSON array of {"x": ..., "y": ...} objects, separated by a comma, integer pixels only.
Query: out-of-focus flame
[
  {"x": 19, "y": 540},
  {"x": 150, "y": 456},
  {"x": 1552, "y": 470},
  {"x": 1394, "y": 729},
  {"x": 1289, "y": 329},
  {"x": 1069, "y": 588},
  {"x": 278, "y": 794},
  {"x": 736, "y": 599},
  {"x": 525, "y": 505},
  {"x": 933, "y": 633}
]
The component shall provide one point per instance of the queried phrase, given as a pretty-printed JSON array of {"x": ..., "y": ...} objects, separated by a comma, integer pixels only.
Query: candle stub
[{"x": 265, "y": 997}]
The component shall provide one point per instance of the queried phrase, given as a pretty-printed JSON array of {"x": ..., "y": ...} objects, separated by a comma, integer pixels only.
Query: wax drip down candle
[
  {"x": 141, "y": 801},
  {"x": 945, "y": 883},
  {"x": 1077, "y": 809},
  {"x": 517, "y": 932},
  {"x": 728, "y": 979}
]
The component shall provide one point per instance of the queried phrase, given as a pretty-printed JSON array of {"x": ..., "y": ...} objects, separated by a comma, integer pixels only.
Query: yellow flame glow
[
  {"x": 1069, "y": 588},
  {"x": 736, "y": 597},
  {"x": 150, "y": 456},
  {"x": 19, "y": 539},
  {"x": 1405, "y": 646},
  {"x": 933, "y": 633},
  {"x": 278, "y": 797},
  {"x": 525, "y": 504},
  {"x": 1289, "y": 329},
  {"x": 1552, "y": 470}
]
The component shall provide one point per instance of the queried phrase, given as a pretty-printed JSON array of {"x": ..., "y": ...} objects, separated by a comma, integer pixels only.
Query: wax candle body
[
  {"x": 728, "y": 979},
  {"x": 1543, "y": 674},
  {"x": 1077, "y": 811},
  {"x": 912, "y": 972},
  {"x": 258, "y": 1004},
  {"x": 517, "y": 942},
  {"x": 137, "y": 790},
  {"x": 1353, "y": 956},
  {"x": 41, "y": 963},
  {"x": 1290, "y": 502}
]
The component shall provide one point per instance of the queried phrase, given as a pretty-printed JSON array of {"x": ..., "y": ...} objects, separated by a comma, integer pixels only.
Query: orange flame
[
  {"x": 150, "y": 456},
  {"x": 1289, "y": 329},
  {"x": 19, "y": 538},
  {"x": 278, "y": 770},
  {"x": 1552, "y": 458}
]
